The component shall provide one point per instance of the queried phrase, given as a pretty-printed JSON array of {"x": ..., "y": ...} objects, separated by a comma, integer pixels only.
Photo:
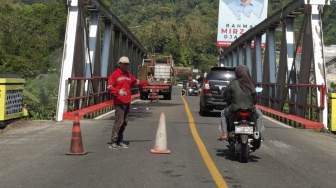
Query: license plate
[{"x": 244, "y": 129}]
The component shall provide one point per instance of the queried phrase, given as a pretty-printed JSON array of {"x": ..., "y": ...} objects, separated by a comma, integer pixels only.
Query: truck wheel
[
  {"x": 146, "y": 95},
  {"x": 167, "y": 96},
  {"x": 143, "y": 95}
]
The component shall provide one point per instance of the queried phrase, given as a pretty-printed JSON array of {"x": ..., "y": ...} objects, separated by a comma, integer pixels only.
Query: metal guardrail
[
  {"x": 86, "y": 92},
  {"x": 311, "y": 108},
  {"x": 82, "y": 92}
]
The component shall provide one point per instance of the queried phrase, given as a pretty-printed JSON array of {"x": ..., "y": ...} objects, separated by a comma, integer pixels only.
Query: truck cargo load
[{"x": 160, "y": 72}]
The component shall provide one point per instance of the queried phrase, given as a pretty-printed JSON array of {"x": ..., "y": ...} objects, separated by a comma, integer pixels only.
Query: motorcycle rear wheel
[{"x": 243, "y": 157}]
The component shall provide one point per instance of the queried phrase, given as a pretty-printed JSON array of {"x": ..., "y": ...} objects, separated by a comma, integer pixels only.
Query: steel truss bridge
[{"x": 96, "y": 38}]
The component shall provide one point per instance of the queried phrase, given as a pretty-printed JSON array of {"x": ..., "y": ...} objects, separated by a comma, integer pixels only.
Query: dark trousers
[{"x": 120, "y": 122}]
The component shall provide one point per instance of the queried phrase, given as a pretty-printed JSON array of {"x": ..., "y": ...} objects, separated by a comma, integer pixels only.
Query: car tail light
[
  {"x": 206, "y": 87},
  {"x": 244, "y": 114}
]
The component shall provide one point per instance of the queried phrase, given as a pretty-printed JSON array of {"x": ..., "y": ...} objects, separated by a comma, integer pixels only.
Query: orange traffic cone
[
  {"x": 76, "y": 147},
  {"x": 161, "y": 138}
]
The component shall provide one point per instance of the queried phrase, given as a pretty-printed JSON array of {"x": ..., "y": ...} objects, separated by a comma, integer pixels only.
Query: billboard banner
[{"x": 235, "y": 17}]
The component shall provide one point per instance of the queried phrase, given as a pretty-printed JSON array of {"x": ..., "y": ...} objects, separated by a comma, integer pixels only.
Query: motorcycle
[
  {"x": 192, "y": 91},
  {"x": 183, "y": 91},
  {"x": 243, "y": 138}
]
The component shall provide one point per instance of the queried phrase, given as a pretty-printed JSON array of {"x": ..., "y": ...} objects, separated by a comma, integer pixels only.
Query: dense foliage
[
  {"x": 31, "y": 44},
  {"x": 188, "y": 28},
  {"x": 32, "y": 36}
]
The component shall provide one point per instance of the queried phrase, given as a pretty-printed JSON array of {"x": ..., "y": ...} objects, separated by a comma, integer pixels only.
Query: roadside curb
[{"x": 291, "y": 120}]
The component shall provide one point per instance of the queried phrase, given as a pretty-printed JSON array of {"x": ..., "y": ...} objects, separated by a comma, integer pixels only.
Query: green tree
[
  {"x": 29, "y": 35},
  {"x": 31, "y": 44},
  {"x": 186, "y": 28}
]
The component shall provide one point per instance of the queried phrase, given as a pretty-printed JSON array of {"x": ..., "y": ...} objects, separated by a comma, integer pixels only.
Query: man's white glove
[{"x": 122, "y": 92}]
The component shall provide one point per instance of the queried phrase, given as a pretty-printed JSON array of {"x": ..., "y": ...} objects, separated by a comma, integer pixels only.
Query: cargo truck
[{"x": 160, "y": 73}]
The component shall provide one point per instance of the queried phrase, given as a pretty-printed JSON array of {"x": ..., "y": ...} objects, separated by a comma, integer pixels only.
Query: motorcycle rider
[
  {"x": 240, "y": 93},
  {"x": 188, "y": 85}
]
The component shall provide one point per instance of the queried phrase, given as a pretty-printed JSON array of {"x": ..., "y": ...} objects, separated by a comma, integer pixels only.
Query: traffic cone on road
[
  {"x": 161, "y": 138},
  {"x": 76, "y": 147}
]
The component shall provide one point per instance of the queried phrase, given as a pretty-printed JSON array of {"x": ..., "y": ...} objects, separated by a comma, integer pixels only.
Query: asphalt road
[{"x": 32, "y": 154}]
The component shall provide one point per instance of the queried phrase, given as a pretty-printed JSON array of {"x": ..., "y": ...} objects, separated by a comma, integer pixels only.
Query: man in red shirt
[{"x": 119, "y": 83}]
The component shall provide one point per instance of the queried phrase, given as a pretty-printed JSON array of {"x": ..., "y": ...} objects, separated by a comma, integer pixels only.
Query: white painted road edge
[{"x": 278, "y": 122}]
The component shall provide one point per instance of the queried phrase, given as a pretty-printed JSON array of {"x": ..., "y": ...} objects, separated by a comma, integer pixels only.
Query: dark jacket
[{"x": 236, "y": 98}]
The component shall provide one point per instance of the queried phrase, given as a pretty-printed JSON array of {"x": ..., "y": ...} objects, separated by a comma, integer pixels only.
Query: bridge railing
[
  {"x": 89, "y": 97},
  {"x": 82, "y": 92},
  {"x": 284, "y": 98}
]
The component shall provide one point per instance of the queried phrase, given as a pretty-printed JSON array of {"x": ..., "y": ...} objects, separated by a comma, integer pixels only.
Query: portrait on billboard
[
  {"x": 235, "y": 17},
  {"x": 245, "y": 7}
]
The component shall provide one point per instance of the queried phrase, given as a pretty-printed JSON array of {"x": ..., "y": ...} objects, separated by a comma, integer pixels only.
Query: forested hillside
[
  {"x": 32, "y": 37},
  {"x": 188, "y": 28},
  {"x": 32, "y": 32}
]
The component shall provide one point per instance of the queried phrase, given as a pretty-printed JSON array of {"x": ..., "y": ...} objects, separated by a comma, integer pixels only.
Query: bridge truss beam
[
  {"x": 95, "y": 39},
  {"x": 263, "y": 64}
]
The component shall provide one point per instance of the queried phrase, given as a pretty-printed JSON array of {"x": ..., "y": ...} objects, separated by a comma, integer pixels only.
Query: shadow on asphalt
[
  {"x": 155, "y": 104},
  {"x": 143, "y": 110},
  {"x": 130, "y": 141},
  {"x": 232, "y": 157},
  {"x": 226, "y": 153}
]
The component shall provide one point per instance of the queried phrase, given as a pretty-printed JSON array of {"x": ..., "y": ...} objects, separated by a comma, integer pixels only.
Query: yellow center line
[{"x": 206, "y": 157}]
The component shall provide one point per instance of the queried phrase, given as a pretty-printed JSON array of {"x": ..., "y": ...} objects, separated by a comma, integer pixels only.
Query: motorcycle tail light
[
  {"x": 206, "y": 87},
  {"x": 244, "y": 114}
]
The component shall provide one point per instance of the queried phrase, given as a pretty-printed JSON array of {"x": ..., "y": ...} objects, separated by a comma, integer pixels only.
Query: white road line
[{"x": 278, "y": 122}]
